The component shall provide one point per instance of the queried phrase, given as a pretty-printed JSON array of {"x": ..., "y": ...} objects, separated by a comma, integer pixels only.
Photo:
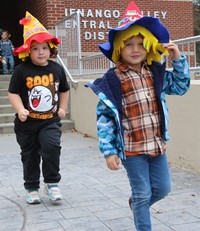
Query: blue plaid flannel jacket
[{"x": 109, "y": 108}]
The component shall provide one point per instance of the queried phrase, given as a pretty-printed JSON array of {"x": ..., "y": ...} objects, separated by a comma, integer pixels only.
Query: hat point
[{"x": 131, "y": 14}]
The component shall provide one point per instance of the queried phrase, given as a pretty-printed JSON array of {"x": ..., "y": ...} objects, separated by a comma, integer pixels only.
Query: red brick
[{"x": 179, "y": 22}]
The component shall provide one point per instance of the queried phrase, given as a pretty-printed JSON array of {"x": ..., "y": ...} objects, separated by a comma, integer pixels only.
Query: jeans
[
  {"x": 9, "y": 61},
  {"x": 150, "y": 181}
]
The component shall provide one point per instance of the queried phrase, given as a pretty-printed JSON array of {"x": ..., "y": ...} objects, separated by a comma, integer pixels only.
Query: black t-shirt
[{"x": 39, "y": 87}]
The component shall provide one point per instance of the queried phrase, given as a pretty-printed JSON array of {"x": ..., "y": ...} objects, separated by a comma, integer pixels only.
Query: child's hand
[
  {"x": 113, "y": 162},
  {"x": 61, "y": 113},
  {"x": 3, "y": 61},
  {"x": 173, "y": 50},
  {"x": 23, "y": 114}
]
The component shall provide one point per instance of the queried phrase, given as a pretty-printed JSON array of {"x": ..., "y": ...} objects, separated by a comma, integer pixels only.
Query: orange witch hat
[{"x": 33, "y": 31}]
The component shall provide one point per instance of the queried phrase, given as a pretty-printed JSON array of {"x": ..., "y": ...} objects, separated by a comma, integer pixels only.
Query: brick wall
[
  {"x": 38, "y": 8},
  {"x": 48, "y": 12},
  {"x": 179, "y": 15}
]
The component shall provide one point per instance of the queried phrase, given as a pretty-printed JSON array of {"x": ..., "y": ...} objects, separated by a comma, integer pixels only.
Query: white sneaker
[
  {"x": 53, "y": 191},
  {"x": 32, "y": 196}
]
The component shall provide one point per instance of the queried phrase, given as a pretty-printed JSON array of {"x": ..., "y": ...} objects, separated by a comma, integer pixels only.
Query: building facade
[{"x": 97, "y": 17}]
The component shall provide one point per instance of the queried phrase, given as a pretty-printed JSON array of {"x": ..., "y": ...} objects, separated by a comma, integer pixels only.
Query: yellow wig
[{"x": 150, "y": 43}]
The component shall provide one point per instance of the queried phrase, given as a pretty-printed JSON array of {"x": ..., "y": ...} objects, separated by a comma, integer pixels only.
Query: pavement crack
[{"x": 21, "y": 209}]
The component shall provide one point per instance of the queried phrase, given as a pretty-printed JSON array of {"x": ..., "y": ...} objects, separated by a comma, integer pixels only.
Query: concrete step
[
  {"x": 3, "y": 92},
  {"x": 67, "y": 125},
  {"x": 4, "y": 100},
  {"x": 6, "y": 109},
  {"x": 8, "y": 128},
  {"x": 7, "y": 118},
  {"x": 4, "y": 84},
  {"x": 5, "y": 77}
]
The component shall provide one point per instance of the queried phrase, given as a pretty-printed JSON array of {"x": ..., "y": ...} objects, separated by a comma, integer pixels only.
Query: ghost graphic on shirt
[{"x": 40, "y": 99}]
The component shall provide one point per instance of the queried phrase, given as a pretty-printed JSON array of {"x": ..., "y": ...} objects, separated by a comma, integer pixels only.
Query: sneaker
[
  {"x": 32, "y": 196},
  {"x": 53, "y": 191},
  {"x": 130, "y": 202}
]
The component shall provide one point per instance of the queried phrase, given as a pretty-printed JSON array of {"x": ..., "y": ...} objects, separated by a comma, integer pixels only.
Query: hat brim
[
  {"x": 40, "y": 38},
  {"x": 152, "y": 24}
]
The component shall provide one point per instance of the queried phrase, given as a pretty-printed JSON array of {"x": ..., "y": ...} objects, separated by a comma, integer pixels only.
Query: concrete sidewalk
[{"x": 95, "y": 199}]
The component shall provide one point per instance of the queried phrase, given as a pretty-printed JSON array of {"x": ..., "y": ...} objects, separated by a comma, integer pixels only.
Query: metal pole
[{"x": 79, "y": 44}]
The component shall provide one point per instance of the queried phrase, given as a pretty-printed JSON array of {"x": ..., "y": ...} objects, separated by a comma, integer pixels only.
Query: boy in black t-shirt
[{"x": 39, "y": 94}]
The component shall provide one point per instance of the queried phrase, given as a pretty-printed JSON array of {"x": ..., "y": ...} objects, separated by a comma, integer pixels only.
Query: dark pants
[{"x": 37, "y": 141}]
